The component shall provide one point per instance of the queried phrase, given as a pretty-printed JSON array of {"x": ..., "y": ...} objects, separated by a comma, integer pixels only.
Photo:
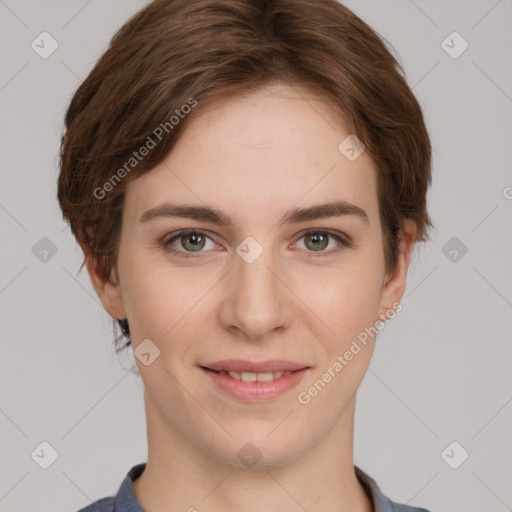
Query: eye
[
  {"x": 187, "y": 242},
  {"x": 317, "y": 240},
  {"x": 191, "y": 240}
]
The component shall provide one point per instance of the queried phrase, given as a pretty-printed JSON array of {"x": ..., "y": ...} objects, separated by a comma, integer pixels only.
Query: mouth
[
  {"x": 255, "y": 381},
  {"x": 244, "y": 366},
  {"x": 251, "y": 376}
]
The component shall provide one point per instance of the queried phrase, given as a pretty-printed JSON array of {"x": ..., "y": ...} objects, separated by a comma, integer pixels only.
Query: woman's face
[{"x": 260, "y": 288}]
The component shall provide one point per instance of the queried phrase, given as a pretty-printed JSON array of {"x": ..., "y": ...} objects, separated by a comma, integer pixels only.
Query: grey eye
[{"x": 194, "y": 241}]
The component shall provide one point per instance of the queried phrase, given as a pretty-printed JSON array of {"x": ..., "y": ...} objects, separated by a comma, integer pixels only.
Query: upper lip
[{"x": 240, "y": 365}]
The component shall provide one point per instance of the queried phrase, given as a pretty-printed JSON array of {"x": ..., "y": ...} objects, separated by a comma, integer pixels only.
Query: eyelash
[{"x": 344, "y": 243}]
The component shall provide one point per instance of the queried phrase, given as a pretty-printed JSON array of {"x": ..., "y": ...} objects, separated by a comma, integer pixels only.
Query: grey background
[{"x": 440, "y": 372}]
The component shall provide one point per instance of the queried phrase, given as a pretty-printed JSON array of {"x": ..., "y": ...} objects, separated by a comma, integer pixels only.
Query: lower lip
[{"x": 256, "y": 391}]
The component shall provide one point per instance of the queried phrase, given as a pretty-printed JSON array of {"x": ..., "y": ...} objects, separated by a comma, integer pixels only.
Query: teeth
[{"x": 259, "y": 377}]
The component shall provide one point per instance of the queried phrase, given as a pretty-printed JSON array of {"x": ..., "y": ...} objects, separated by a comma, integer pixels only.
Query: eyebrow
[{"x": 293, "y": 216}]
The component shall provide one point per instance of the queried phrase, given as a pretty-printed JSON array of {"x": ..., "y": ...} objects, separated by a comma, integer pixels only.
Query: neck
[{"x": 181, "y": 476}]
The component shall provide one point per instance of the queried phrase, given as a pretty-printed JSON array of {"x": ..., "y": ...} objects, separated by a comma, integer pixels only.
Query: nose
[{"x": 257, "y": 302}]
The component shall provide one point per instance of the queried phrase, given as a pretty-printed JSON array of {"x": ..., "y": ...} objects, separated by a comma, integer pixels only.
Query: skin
[{"x": 253, "y": 157}]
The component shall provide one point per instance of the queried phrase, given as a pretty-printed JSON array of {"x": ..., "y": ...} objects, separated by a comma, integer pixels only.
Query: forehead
[{"x": 258, "y": 155}]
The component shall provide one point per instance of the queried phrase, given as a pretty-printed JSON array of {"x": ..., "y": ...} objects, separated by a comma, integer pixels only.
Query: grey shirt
[{"x": 125, "y": 500}]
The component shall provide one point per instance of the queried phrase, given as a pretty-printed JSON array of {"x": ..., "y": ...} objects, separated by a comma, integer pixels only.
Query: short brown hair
[{"x": 176, "y": 52}]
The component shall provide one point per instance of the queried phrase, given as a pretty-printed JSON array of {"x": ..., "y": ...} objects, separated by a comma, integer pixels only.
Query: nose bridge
[{"x": 257, "y": 301}]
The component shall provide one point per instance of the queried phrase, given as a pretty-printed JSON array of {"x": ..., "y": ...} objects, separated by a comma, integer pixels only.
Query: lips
[
  {"x": 248, "y": 381},
  {"x": 243, "y": 366}
]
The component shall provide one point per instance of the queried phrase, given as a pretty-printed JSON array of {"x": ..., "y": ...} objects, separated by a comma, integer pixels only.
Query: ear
[
  {"x": 107, "y": 288},
  {"x": 394, "y": 283}
]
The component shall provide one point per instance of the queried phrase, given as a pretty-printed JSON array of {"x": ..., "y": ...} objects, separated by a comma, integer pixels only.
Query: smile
[{"x": 256, "y": 377}]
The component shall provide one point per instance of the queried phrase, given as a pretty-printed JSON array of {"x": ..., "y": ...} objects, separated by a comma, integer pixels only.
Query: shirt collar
[{"x": 126, "y": 501}]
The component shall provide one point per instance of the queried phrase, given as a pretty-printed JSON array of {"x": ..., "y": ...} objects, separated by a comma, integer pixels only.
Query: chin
[{"x": 254, "y": 448}]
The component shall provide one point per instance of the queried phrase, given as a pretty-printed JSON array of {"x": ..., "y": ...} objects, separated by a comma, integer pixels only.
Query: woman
[{"x": 247, "y": 180}]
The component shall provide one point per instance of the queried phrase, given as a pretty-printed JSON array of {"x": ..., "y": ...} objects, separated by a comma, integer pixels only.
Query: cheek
[
  {"x": 163, "y": 302},
  {"x": 347, "y": 299},
  {"x": 349, "y": 306},
  {"x": 147, "y": 296}
]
